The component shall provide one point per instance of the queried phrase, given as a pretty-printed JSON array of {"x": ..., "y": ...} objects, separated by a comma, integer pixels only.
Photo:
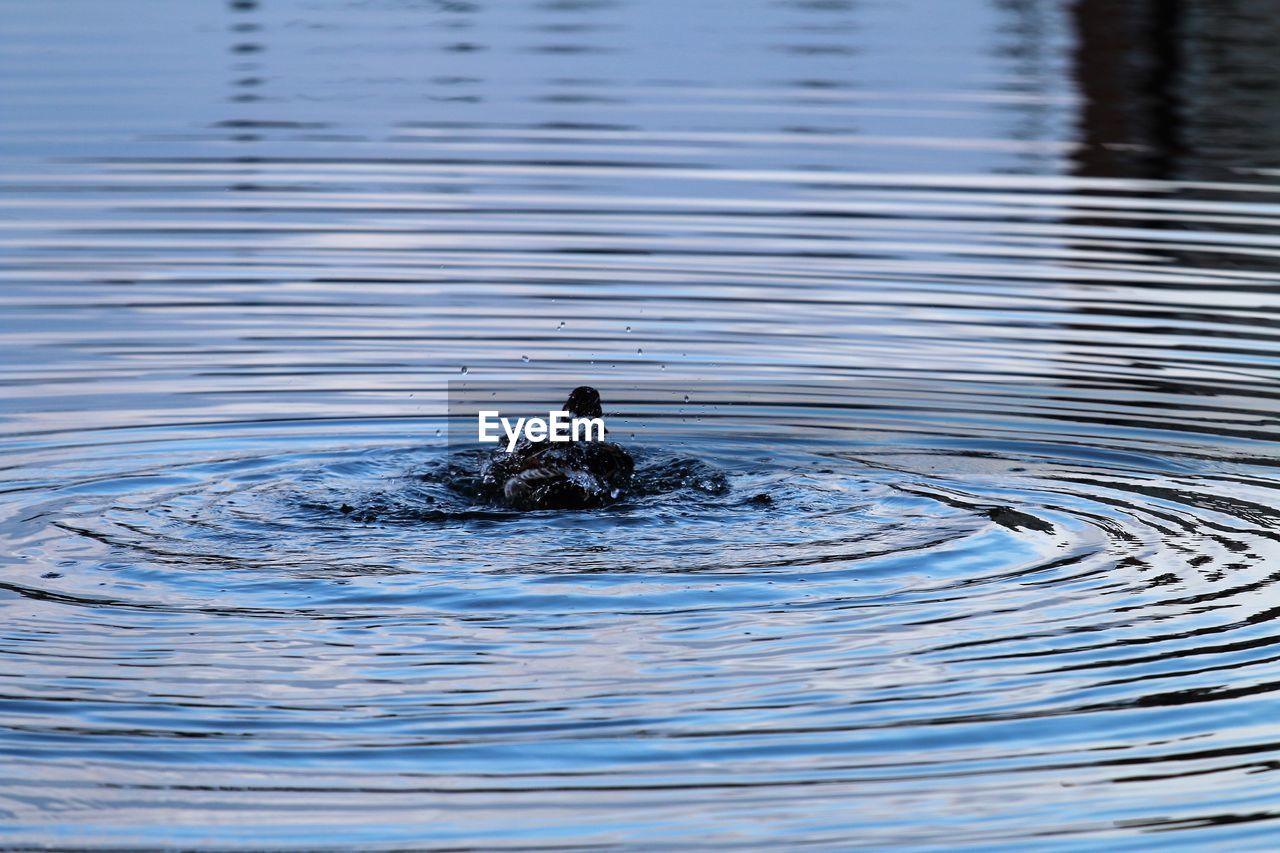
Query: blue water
[{"x": 982, "y": 295}]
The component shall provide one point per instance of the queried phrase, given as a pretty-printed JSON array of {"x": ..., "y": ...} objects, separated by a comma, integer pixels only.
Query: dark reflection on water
[{"x": 1010, "y": 264}]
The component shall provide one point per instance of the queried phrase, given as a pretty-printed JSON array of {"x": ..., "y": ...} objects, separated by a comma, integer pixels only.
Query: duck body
[
  {"x": 561, "y": 475},
  {"x": 577, "y": 475}
]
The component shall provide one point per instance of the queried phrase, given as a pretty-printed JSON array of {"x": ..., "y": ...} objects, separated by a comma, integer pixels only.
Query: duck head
[{"x": 584, "y": 402}]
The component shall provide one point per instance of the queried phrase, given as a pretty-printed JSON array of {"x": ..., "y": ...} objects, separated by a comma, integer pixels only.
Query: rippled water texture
[{"x": 987, "y": 557}]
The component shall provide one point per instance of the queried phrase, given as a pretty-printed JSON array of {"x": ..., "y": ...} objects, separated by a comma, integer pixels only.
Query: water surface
[{"x": 985, "y": 302}]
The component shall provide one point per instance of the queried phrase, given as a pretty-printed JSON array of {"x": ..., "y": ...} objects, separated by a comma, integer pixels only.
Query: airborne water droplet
[
  {"x": 628, "y": 330},
  {"x": 525, "y": 359},
  {"x": 639, "y": 351},
  {"x": 561, "y": 326},
  {"x": 464, "y": 368}
]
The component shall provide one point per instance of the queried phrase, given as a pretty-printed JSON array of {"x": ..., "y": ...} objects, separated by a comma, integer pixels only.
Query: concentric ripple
[{"x": 965, "y": 534}]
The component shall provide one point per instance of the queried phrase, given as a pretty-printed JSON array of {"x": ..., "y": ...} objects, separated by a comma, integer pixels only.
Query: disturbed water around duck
[{"x": 958, "y": 528}]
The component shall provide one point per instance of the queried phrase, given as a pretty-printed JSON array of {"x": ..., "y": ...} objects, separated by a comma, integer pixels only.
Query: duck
[{"x": 563, "y": 475}]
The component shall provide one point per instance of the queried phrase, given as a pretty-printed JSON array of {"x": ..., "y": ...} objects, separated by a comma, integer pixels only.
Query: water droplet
[
  {"x": 628, "y": 330},
  {"x": 525, "y": 359},
  {"x": 686, "y": 398},
  {"x": 464, "y": 368},
  {"x": 639, "y": 351},
  {"x": 561, "y": 326},
  {"x": 662, "y": 367}
]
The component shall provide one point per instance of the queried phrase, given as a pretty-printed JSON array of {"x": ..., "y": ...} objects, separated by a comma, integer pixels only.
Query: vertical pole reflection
[
  {"x": 246, "y": 46},
  {"x": 1127, "y": 66}
]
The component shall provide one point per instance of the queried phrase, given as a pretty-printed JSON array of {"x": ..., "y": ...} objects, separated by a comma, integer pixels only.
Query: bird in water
[{"x": 562, "y": 475}]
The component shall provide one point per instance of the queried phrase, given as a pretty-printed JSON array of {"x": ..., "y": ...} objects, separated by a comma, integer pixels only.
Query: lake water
[{"x": 984, "y": 296}]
